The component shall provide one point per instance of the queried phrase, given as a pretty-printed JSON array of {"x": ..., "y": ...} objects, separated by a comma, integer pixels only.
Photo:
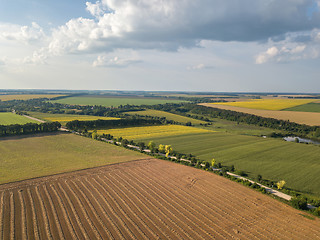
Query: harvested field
[
  {"x": 308, "y": 118},
  {"x": 167, "y": 201}
]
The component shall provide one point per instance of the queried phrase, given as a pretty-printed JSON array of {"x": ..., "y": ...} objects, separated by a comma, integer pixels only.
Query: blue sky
[{"x": 191, "y": 45}]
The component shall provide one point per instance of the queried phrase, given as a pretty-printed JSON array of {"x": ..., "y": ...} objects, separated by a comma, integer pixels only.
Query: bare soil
[{"x": 146, "y": 199}]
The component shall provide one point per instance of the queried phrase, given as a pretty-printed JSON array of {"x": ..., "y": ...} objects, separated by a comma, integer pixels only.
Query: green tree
[
  {"x": 151, "y": 146},
  {"x": 141, "y": 146},
  {"x": 162, "y": 148},
  {"x": 168, "y": 150},
  {"x": 94, "y": 134},
  {"x": 213, "y": 162},
  {"x": 280, "y": 184}
]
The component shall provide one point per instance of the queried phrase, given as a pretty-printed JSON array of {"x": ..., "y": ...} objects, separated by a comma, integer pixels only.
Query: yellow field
[
  {"x": 133, "y": 133},
  {"x": 269, "y": 104},
  {"x": 28, "y": 96}
]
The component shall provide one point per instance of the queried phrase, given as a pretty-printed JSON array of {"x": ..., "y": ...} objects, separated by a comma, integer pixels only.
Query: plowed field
[{"x": 147, "y": 199}]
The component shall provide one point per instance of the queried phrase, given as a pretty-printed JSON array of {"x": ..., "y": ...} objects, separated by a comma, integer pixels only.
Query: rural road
[{"x": 32, "y": 118}]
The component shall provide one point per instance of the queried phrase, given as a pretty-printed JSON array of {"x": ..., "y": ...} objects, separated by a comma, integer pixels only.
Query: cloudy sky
[{"x": 194, "y": 45}]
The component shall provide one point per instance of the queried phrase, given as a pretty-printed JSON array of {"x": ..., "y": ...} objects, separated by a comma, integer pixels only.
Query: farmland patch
[
  {"x": 268, "y": 104},
  {"x": 64, "y": 118},
  {"x": 298, "y": 164},
  {"x": 7, "y": 118},
  {"x": 41, "y": 155},
  {"x": 169, "y": 116},
  {"x": 113, "y": 102},
  {"x": 146, "y": 199},
  {"x": 135, "y": 133}
]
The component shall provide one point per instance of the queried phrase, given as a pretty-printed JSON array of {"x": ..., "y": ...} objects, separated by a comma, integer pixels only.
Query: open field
[
  {"x": 298, "y": 164},
  {"x": 64, "y": 118},
  {"x": 148, "y": 199},
  {"x": 135, "y": 133},
  {"x": 308, "y": 118},
  {"x": 310, "y": 107},
  {"x": 169, "y": 116},
  {"x": 113, "y": 102},
  {"x": 28, "y": 96},
  {"x": 7, "y": 118},
  {"x": 268, "y": 104},
  {"x": 41, "y": 155}
]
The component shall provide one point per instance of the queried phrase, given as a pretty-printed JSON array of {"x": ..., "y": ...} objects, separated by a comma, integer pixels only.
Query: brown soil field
[
  {"x": 308, "y": 118},
  {"x": 146, "y": 199}
]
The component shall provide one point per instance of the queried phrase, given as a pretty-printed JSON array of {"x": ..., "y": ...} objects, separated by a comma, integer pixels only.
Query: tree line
[
  {"x": 80, "y": 125},
  {"x": 28, "y": 128},
  {"x": 204, "y": 113}
]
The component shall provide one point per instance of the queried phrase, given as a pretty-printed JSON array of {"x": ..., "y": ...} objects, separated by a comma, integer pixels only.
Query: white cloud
[
  {"x": 290, "y": 49},
  {"x": 199, "y": 66},
  {"x": 25, "y": 34},
  {"x": 168, "y": 25},
  {"x": 115, "y": 62}
]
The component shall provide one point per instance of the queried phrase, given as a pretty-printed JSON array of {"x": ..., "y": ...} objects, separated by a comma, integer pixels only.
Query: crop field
[
  {"x": 7, "y": 118},
  {"x": 28, "y": 96},
  {"x": 268, "y": 104},
  {"x": 113, "y": 102},
  {"x": 41, "y": 155},
  {"x": 64, "y": 118},
  {"x": 298, "y": 164},
  {"x": 308, "y": 118},
  {"x": 148, "y": 199},
  {"x": 310, "y": 107},
  {"x": 169, "y": 116},
  {"x": 134, "y": 133}
]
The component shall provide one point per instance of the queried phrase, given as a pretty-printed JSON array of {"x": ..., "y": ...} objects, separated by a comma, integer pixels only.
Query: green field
[
  {"x": 223, "y": 125},
  {"x": 298, "y": 164},
  {"x": 41, "y": 155},
  {"x": 7, "y": 118},
  {"x": 310, "y": 107},
  {"x": 64, "y": 118},
  {"x": 169, "y": 116},
  {"x": 113, "y": 102}
]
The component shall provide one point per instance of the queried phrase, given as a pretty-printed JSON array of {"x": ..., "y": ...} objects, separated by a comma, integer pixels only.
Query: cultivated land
[
  {"x": 113, "y": 102},
  {"x": 64, "y": 118},
  {"x": 268, "y": 104},
  {"x": 28, "y": 96},
  {"x": 169, "y": 116},
  {"x": 308, "y": 118},
  {"x": 310, "y": 107},
  {"x": 298, "y": 164},
  {"x": 7, "y": 118},
  {"x": 41, "y": 155},
  {"x": 149, "y": 199},
  {"x": 136, "y": 133}
]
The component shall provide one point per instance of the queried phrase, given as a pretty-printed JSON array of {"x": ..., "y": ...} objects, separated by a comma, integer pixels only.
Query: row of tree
[
  {"x": 17, "y": 129},
  {"x": 76, "y": 125},
  {"x": 205, "y": 113}
]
